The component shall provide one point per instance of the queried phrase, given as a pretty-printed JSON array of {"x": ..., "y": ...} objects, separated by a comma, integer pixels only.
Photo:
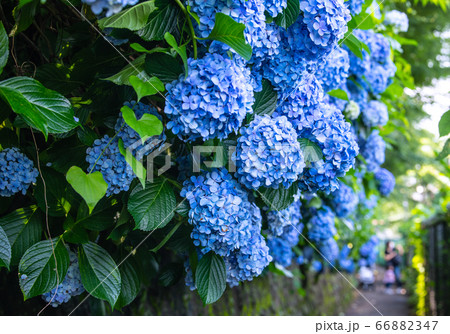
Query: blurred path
[{"x": 387, "y": 304}]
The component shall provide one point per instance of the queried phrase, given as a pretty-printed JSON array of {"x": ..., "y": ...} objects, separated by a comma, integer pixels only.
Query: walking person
[{"x": 393, "y": 257}]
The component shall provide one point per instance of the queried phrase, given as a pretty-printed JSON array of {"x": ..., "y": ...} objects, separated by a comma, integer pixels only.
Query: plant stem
[{"x": 191, "y": 27}]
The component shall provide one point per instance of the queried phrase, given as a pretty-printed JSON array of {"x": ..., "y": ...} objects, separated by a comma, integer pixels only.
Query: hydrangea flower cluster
[
  {"x": 373, "y": 151},
  {"x": 325, "y": 126},
  {"x": 374, "y": 71},
  {"x": 275, "y": 7},
  {"x": 104, "y": 156},
  {"x": 131, "y": 139},
  {"x": 320, "y": 223},
  {"x": 375, "y": 113},
  {"x": 346, "y": 263},
  {"x": 352, "y": 110},
  {"x": 344, "y": 200},
  {"x": 326, "y": 21},
  {"x": 368, "y": 252},
  {"x": 355, "y": 6},
  {"x": 333, "y": 71},
  {"x": 70, "y": 287},
  {"x": 17, "y": 172},
  {"x": 385, "y": 181},
  {"x": 268, "y": 153},
  {"x": 278, "y": 220},
  {"x": 398, "y": 20},
  {"x": 212, "y": 101},
  {"x": 109, "y": 6},
  {"x": 329, "y": 249}
]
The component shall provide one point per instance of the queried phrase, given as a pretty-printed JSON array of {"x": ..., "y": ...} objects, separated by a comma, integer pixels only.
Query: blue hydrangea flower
[
  {"x": 325, "y": 126},
  {"x": 104, "y": 156},
  {"x": 109, "y": 6},
  {"x": 375, "y": 113},
  {"x": 280, "y": 250},
  {"x": 355, "y": 6},
  {"x": 347, "y": 265},
  {"x": 329, "y": 249},
  {"x": 17, "y": 172},
  {"x": 212, "y": 101},
  {"x": 71, "y": 285},
  {"x": 352, "y": 110},
  {"x": 356, "y": 93},
  {"x": 333, "y": 70},
  {"x": 344, "y": 200},
  {"x": 278, "y": 220},
  {"x": 397, "y": 19},
  {"x": 307, "y": 93},
  {"x": 131, "y": 139},
  {"x": 268, "y": 153},
  {"x": 275, "y": 7},
  {"x": 368, "y": 251},
  {"x": 326, "y": 20},
  {"x": 373, "y": 151},
  {"x": 220, "y": 212},
  {"x": 385, "y": 181},
  {"x": 316, "y": 266},
  {"x": 320, "y": 223}
]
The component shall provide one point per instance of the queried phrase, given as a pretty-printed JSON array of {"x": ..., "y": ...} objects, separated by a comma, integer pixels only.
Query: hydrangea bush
[{"x": 242, "y": 133}]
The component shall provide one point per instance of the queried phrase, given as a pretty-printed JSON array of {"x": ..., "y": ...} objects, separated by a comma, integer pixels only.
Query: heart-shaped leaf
[
  {"x": 99, "y": 273},
  {"x": 92, "y": 187},
  {"x": 136, "y": 68},
  {"x": 5, "y": 249},
  {"x": 148, "y": 126},
  {"x": 181, "y": 50},
  {"x": 228, "y": 31},
  {"x": 146, "y": 87},
  {"x": 43, "y": 266},
  {"x": 138, "y": 168}
]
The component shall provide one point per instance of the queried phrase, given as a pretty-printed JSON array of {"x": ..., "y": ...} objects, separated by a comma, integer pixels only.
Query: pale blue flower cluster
[
  {"x": 268, "y": 153},
  {"x": 368, "y": 252},
  {"x": 355, "y": 6},
  {"x": 131, "y": 139},
  {"x": 346, "y": 263},
  {"x": 104, "y": 156},
  {"x": 70, "y": 287},
  {"x": 344, "y": 200},
  {"x": 275, "y": 7},
  {"x": 375, "y": 113},
  {"x": 374, "y": 71},
  {"x": 110, "y": 7},
  {"x": 373, "y": 150},
  {"x": 333, "y": 71},
  {"x": 320, "y": 223},
  {"x": 212, "y": 101},
  {"x": 398, "y": 20},
  {"x": 224, "y": 221},
  {"x": 330, "y": 250},
  {"x": 325, "y": 126},
  {"x": 385, "y": 181},
  {"x": 17, "y": 172},
  {"x": 278, "y": 220}
]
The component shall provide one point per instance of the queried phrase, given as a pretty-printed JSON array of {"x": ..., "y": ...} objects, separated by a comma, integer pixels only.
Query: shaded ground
[{"x": 391, "y": 305}]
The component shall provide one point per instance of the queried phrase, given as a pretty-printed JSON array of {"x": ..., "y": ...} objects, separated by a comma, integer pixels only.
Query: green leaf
[
  {"x": 42, "y": 108},
  {"x": 4, "y": 47},
  {"x": 45, "y": 265},
  {"x": 57, "y": 197},
  {"x": 278, "y": 199},
  {"x": 445, "y": 151},
  {"x": 138, "y": 168},
  {"x": 139, "y": 48},
  {"x": 166, "y": 68},
  {"x": 24, "y": 15},
  {"x": 289, "y": 15},
  {"x": 99, "y": 273},
  {"x": 265, "y": 100},
  {"x": 353, "y": 44},
  {"x": 146, "y": 87},
  {"x": 136, "y": 68},
  {"x": 147, "y": 126},
  {"x": 133, "y": 18},
  {"x": 339, "y": 93},
  {"x": 228, "y": 31},
  {"x": 131, "y": 283},
  {"x": 73, "y": 232},
  {"x": 210, "y": 277},
  {"x": 154, "y": 206},
  {"x": 5, "y": 249},
  {"x": 166, "y": 238},
  {"x": 181, "y": 50},
  {"x": 23, "y": 228},
  {"x": 444, "y": 124},
  {"x": 161, "y": 20},
  {"x": 311, "y": 151},
  {"x": 92, "y": 187}
]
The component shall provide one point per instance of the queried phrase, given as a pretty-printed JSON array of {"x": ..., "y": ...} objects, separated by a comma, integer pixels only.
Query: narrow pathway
[{"x": 391, "y": 305}]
